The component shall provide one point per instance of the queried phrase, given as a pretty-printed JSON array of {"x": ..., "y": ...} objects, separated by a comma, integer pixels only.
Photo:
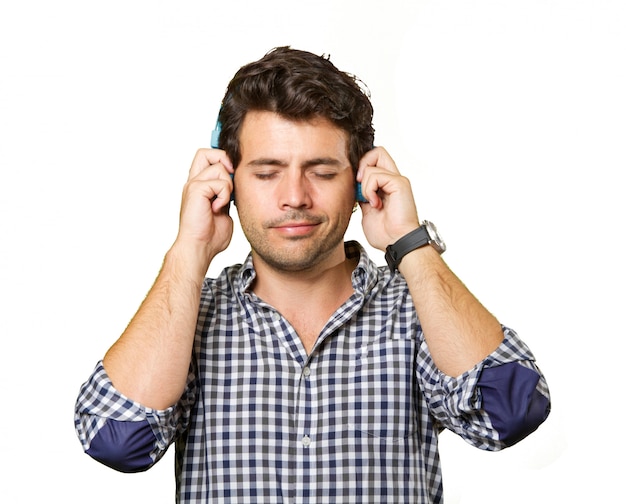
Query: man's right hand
[{"x": 204, "y": 220}]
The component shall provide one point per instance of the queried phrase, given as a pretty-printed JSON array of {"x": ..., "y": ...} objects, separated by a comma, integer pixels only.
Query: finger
[
  {"x": 378, "y": 185},
  {"x": 222, "y": 197},
  {"x": 377, "y": 157},
  {"x": 209, "y": 157},
  {"x": 370, "y": 188},
  {"x": 212, "y": 172},
  {"x": 215, "y": 193}
]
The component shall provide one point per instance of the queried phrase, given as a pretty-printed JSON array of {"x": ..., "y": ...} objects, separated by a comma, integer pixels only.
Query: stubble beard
[{"x": 300, "y": 254}]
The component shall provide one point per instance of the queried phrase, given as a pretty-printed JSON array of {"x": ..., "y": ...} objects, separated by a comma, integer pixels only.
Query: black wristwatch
[{"x": 426, "y": 234}]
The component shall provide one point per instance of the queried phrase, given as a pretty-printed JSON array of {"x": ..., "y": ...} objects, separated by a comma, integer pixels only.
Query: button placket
[{"x": 305, "y": 412}]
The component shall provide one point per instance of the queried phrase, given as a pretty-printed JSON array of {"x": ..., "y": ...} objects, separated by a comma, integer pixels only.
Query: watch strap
[{"x": 409, "y": 242}]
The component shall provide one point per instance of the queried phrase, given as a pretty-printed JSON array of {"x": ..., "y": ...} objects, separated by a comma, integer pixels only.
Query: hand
[
  {"x": 390, "y": 212},
  {"x": 204, "y": 219}
]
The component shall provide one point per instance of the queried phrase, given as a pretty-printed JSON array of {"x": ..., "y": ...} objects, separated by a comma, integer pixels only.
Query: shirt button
[
  {"x": 306, "y": 441},
  {"x": 306, "y": 372},
  {"x": 275, "y": 316}
]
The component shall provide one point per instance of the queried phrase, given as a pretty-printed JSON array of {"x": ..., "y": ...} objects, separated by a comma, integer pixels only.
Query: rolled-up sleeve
[
  {"x": 497, "y": 403},
  {"x": 122, "y": 433}
]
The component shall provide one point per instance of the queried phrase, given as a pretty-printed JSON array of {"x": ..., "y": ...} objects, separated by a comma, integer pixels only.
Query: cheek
[
  {"x": 251, "y": 207},
  {"x": 245, "y": 196}
]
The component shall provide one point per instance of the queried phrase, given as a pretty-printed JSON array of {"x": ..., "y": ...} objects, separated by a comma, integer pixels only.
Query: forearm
[
  {"x": 496, "y": 403},
  {"x": 123, "y": 434},
  {"x": 149, "y": 363},
  {"x": 459, "y": 331}
]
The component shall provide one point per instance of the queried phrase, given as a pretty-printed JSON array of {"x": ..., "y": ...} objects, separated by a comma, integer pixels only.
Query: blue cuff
[
  {"x": 124, "y": 446},
  {"x": 511, "y": 399}
]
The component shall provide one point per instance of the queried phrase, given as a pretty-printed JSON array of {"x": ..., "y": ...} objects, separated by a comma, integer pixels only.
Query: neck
[
  {"x": 307, "y": 299},
  {"x": 322, "y": 285}
]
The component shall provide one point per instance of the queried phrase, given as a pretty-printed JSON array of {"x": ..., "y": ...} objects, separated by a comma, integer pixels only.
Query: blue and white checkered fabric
[{"x": 357, "y": 420}]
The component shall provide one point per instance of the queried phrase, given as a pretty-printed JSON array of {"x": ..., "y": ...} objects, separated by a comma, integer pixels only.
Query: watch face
[{"x": 435, "y": 239}]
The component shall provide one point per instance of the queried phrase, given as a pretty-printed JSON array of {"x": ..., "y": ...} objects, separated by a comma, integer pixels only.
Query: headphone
[{"x": 215, "y": 135}]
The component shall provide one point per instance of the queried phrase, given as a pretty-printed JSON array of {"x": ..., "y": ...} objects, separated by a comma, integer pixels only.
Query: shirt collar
[{"x": 364, "y": 277}]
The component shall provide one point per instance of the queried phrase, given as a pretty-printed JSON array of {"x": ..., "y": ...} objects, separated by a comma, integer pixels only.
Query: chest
[
  {"x": 347, "y": 415},
  {"x": 308, "y": 326},
  {"x": 348, "y": 386}
]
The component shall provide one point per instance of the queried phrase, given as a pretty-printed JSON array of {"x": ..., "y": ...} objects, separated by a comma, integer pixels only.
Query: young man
[{"x": 306, "y": 374}]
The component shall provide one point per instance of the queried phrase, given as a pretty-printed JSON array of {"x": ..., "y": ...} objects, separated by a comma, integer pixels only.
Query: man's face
[{"x": 295, "y": 191}]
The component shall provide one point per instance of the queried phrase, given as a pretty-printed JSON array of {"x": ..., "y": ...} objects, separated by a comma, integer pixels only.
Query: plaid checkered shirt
[{"x": 356, "y": 420}]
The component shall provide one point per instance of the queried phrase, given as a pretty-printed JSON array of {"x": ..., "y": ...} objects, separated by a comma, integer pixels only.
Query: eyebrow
[{"x": 320, "y": 161}]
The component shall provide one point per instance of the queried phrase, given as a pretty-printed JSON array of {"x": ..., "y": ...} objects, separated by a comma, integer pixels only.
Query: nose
[{"x": 294, "y": 191}]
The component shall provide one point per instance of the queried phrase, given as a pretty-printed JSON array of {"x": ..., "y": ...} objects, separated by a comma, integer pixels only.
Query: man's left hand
[{"x": 390, "y": 212}]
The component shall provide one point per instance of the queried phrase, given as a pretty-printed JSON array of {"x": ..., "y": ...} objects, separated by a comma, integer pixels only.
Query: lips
[
  {"x": 298, "y": 228},
  {"x": 295, "y": 225}
]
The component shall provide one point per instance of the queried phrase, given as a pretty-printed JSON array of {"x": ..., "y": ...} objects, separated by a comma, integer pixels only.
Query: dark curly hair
[{"x": 300, "y": 86}]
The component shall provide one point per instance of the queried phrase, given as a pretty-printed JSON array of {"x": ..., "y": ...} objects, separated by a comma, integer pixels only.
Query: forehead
[{"x": 270, "y": 132}]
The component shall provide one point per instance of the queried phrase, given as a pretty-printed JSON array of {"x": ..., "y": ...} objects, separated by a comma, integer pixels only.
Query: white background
[{"x": 509, "y": 117}]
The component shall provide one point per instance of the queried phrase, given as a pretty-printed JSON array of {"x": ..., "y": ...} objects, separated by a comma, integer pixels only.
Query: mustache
[{"x": 295, "y": 216}]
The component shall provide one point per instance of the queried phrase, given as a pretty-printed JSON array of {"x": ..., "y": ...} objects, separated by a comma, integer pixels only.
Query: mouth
[
  {"x": 296, "y": 225},
  {"x": 296, "y": 229}
]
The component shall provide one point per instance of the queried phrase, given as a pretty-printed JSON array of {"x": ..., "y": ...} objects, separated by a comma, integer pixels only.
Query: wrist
[
  {"x": 419, "y": 263},
  {"x": 190, "y": 259},
  {"x": 425, "y": 236}
]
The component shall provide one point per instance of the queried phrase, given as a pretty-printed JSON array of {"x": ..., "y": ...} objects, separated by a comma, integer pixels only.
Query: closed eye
[
  {"x": 265, "y": 175},
  {"x": 325, "y": 175}
]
